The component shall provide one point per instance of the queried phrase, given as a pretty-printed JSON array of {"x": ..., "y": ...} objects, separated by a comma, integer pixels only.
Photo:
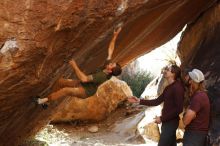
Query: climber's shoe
[
  {"x": 44, "y": 106},
  {"x": 35, "y": 99}
]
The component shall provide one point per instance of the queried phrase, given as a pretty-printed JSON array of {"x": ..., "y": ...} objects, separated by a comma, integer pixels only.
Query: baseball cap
[{"x": 197, "y": 75}]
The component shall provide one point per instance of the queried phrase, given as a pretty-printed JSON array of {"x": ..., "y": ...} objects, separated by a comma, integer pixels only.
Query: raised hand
[
  {"x": 117, "y": 31},
  {"x": 72, "y": 62}
]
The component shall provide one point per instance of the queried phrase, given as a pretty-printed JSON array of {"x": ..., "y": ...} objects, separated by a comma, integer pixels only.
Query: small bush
[{"x": 137, "y": 81}]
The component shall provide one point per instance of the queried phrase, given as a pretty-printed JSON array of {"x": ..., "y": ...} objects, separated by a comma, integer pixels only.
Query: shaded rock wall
[
  {"x": 200, "y": 48},
  {"x": 38, "y": 36}
]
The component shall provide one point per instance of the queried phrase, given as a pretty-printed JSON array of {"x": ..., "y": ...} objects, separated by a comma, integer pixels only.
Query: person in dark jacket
[{"x": 172, "y": 97}]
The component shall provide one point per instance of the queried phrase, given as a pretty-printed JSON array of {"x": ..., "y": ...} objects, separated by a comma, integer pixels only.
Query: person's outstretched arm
[
  {"x": 82, "y": 77},
  {"x": 153, "y": 102},
  {"x": 112, "y": 43}
]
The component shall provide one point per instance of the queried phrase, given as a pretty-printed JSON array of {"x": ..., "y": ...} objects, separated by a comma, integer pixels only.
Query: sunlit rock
[
  {"x": 96, "y": 107},
  {"x": 147, "y": 127},
  {"x": 50, "y": 32},
  {"x": 152, "y": 131},
  {"x": 93, "y": 129}
]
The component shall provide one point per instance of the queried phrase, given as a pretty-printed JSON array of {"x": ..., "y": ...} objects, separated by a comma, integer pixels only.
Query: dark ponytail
[{"x": 177, "y": 71}]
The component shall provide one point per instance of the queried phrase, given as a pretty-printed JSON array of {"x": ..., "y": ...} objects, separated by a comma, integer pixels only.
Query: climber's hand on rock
[
  {"x": 116, "y": 32},
  {"x": 133, "y": 99},
  {"x": 72, "y": 62}
]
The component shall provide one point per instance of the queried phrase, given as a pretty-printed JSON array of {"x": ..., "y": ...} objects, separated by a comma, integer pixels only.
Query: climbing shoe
[
  {"x": 44, "y": 106},
  {"x": 36, "y": 99}
]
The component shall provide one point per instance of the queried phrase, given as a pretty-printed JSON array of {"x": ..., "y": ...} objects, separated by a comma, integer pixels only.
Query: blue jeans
[
  {"x": 194, "y": 138},
  {"x": 168, "y": 133}
]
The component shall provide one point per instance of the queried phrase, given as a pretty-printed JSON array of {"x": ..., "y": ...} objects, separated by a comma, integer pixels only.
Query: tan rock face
[
  {"x": 96, "y": 107},
  {"x": 151, "y": 131},
  {"x": 36, "y": 37}
]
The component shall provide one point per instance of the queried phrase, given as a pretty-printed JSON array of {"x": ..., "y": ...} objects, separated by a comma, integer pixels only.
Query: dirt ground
[{"x": 120, "y": 129}]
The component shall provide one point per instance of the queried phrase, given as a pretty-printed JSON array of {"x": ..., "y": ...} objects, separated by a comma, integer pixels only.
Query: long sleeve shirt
[{"x": 173, "y": 97}]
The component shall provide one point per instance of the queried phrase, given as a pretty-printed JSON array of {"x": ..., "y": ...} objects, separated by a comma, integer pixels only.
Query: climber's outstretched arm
[
  {"x": 82, "y": 76},
  {"x": 112, "y": 43}
]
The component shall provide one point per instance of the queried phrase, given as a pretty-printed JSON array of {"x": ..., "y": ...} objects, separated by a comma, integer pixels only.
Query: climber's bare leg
[
  {"x": 67, "y": 91},
  {"x": 61, "y": 83}
]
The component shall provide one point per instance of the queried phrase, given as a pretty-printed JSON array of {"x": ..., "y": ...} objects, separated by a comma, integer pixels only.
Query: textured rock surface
[
  {"x": 152, "y": 131},
  {"x": 96, "y": 107},
  {"x": 199, "y": 48},
  {"x": 37, "y": 36}
]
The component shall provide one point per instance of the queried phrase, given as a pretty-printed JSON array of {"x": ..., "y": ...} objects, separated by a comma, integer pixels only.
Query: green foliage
[
  {"x": 137, "y": 81},
  {"x": 34, "y": 142}
]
